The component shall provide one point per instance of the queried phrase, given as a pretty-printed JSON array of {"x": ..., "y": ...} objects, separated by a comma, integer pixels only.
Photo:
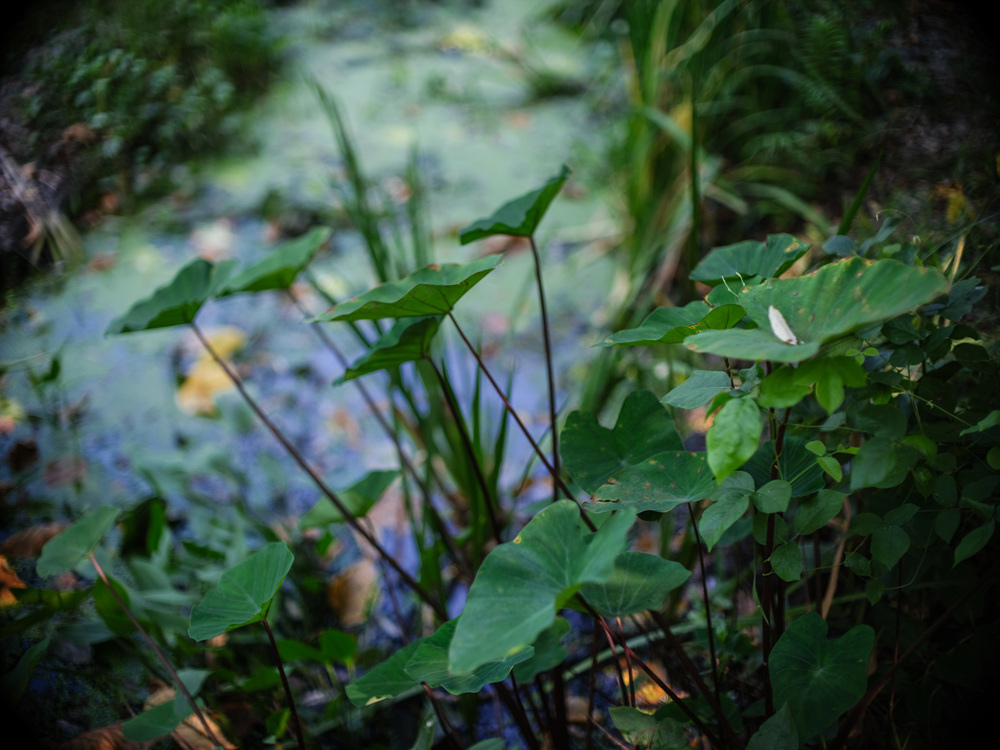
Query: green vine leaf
[
  {"x": 699, "y": 389},
  {"x": 433, "y": 290},
  {"x": 359, "y": 498},
  {"x": 731, "y": 500},
  {"x": 974, "y": 541},
  {"x": 733, "y": 437},
  {"x": 638, "y": 582},
  {"x": 522, "y": 584},
  {"x": 75, "y": 543},
  {"x": 750, "y": 258},
  {"x": 519, "y": 217}
]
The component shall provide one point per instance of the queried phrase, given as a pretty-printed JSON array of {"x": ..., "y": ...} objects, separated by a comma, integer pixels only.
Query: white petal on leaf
[{"x": 780, "y": 326}]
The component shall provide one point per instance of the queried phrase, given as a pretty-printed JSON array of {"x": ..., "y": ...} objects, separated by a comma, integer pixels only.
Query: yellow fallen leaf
[
  {"x": 191, "y": 732},
  {"x": 352, "y": 592}
]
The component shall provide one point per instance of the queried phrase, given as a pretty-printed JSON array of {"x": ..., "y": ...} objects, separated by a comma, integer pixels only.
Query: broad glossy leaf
[
  {"x": 358, "y": 498},
  {"x": 773, "y": 497},
  {"x": 786, "y": 560},
  {"x": 831, "y": 302},
  {"x": 549, "y": 652},
  {"x": 777, "y": 733},
  {"x": 155, "y": 722},
  {"x": 818, "y": 678},
  {"x": 522, "y": 584},
  {"x": 74, "y": 543},
  {"x": 699, "y": 389},
  {"x": 671, "y": 325},
  {"x": 407, "y": 341},
  {"x": 660, "y": 484},
  {"x": 730, "y": 501},
  {"x": 974, "y": 541},
  {"x": 279, "y": 269},
  {"x": 243, "y": 593},
  {"x": 639, "y": 582},
  {"x": 593, "y": 454},
  {"x": 429, "y": 664},
  {"x": 750, "y": 258},
  {"x": 812, "y": 513},
  {"x": 733, "y": 437},
  {"x": 433, "y": 290},
  {"x": 386, "y": 680},
  {"x": 176, "y": 303},
  {"x": 519, "y": 217}
]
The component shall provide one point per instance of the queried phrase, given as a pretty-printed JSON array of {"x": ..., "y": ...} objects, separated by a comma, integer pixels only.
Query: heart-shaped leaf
[
  {"x": 750, "y": 258},
  {"x": 407, "y": 341},
  {"x": 638, "y": 582},
  {"x": 671, "y": 325},
  {"x": 660, "y": 484},
  {"x": 358, "y": 499},
  {"x": 593, "y": 454},
  {"x": 519, "y": 217},
  {"x": 63, "y": 551},
  {"x": 176, "y": 303},
  {"x": 433, "y": 290},
  {"x": 733, "y": 436},
  {"x": 522, "y": 584},
  {"x": 730, "y": 501},
  {"x": 699, "y": 389},
  {"x": 818, "y": 678},
  {"x": 777, "y": 733},
  {"x": 243, "y": 593},
  {"x": 279, "y": 269},
  {"x": 831, "y": 302}
]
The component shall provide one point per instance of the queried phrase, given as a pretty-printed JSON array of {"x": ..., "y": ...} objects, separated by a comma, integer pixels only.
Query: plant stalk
[
  {"x": 548, "y": 366},
  {"x": 296, "y": 724}
]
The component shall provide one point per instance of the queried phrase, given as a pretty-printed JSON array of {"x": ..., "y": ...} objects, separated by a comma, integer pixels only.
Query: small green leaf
[
  {"x": 75, "y": 542},
  {"x": 781, "y": 390},
  {"x": 243, "y": 593},
  {"x": 358, "y": 499},
  {"x": 974, "y": 541},
  {"x": 522, "y": 584},
  {"x": 279, "y": 269},
  {"x": 832, "y": 467},
  {"x": 819, "y": 679},
  {"x": 786, "y": 560},
  {"x": 813, "y": 513},
  {"x": 733, "y": 437},
  {"x": 990, "y": 420},
  {"x": 671, "y": 325},
  {"x": 14, "y": 682},
  {"x": 155, "y": 722},
  {"x": 773, "y": 497},
  {"x": 433, "y": 290},
  {"x": 796, "y": 465},
  {"x": 876, "y": 465},
  {"x": 176, "y": 303},
  {"x": 816, "y": 447},
  {"x": 638, "y": 582},
  {"x": 646, "y": 730},
  {"x": 698, "y": 390},
  {"x": 519, "y": 217},
  {"x": 407, "y": 341},
  {"x": 549, "y": 652},
  {"x": 730, "y": 501},
  {"x": 384, "y": 681}
]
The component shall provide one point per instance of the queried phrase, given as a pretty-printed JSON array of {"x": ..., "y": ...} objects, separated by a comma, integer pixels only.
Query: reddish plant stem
[
  {"x": 449, "y": 729},
  {"x": 156, "y": 650},
  {"x": 349, "y": 517}
]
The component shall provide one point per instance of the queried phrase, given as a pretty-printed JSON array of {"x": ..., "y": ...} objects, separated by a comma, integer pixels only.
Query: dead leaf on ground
[
  {"x": 9, "y": 579},
  {"x": 351, "y": 593},
  {"x": 191, "y": 732},
  {"x": 29, "y": 542},
  {"x": 103, "y": 738}
]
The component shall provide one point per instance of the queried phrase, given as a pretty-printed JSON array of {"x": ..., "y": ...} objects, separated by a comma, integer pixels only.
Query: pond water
[{"x": 454, "y": 86}]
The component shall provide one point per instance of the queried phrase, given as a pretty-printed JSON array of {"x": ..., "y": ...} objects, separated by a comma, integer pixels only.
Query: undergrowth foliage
[{"x": 818, "y": 574}]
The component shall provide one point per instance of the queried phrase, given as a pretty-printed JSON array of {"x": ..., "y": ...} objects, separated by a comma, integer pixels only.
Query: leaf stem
[
  {"x": 548, "y": 366},
  {"x": 296, "y": 724},
  {"x": 349, "y": 517}
]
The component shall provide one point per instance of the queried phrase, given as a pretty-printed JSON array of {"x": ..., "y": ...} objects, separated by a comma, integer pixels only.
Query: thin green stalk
[
  {"x": 159, "y": 654},
  {"x": 708, "y": 605},
  {"x": 296, "y": 724},
  {"x": 349, "y": 517},
  {"x": 548, "y": 366},
  {"x": 488, "y": 499}
]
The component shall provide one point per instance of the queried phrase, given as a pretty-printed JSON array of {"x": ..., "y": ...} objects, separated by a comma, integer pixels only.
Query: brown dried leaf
[
  {"x": 191, "y": 732},
  {"x": 29, "y": 542},
  {"x": 103, "y": 738}
]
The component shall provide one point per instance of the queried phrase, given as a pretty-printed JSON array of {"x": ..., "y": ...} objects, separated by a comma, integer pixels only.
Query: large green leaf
[
  {"x": 671, "y": 325},
  {"x": 429, "y": 664},
  {"x": 831, "y": 302},
  {"x": 522, "y": 584},
  {"x": 433, "y": 290},
  {"x": 730, "y": 501},
  {"x": 660, "y": 483},
  {"x": 75, "y": 542},
  {"x": 176, "y": 303},
  {"x": 279, "y": 269},
  {"x": 818, "y": 678},
  {"x": 750, "y": 258},
  {"x": 639, "y": 582},
  {"x": 358, "y": 499},
  {"x": 519, "y": 217},
  {"x": 243, "y": 593},
  {"x": 593, "y": 454},
  {"x": 699, "y": 389},
  {"x": 407, "y": 341}
]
